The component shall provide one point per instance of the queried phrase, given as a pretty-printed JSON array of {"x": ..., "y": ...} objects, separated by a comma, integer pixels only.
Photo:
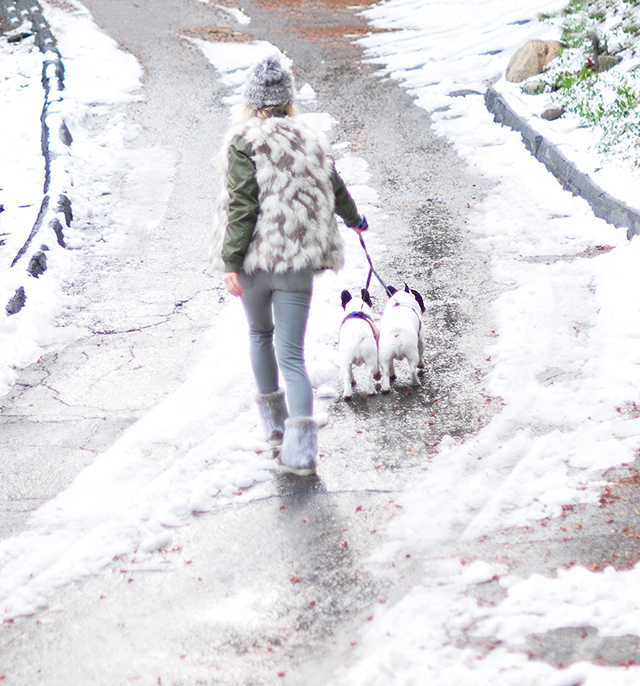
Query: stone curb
[
  {"x": 604, "y": 205},
  {"x": 13, "y": 13}
]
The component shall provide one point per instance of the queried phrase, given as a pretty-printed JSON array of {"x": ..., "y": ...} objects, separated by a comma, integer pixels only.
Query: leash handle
[{"x": 372, "y": 270}]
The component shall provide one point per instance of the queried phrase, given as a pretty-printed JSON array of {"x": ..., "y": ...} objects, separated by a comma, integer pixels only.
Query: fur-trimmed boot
[
  {"x": 273, "y": 413},
  {"x": 300, "y": 447}
]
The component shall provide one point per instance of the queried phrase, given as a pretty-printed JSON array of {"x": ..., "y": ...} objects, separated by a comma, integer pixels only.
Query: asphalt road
[
  {"x": 276, "y": 584},
  {"x": 294, "y": 548}
]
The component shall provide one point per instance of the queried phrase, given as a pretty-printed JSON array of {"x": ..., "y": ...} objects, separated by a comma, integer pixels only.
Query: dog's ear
[
  {"x": 345, "y": 296},
  {"x": 366, "y": 297},
  {"x": 391, "y": 290},
  {"x": 419, "y": 300}
]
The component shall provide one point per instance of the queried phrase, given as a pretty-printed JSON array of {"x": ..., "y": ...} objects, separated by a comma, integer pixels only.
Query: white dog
[
  {"x": 358, "y": 342},
  {"x": 401, "y": 335}
]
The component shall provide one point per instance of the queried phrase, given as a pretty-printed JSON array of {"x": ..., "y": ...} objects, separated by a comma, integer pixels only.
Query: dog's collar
[
  {"x": 413, "y": 309},
  {"x": 367, "y": 318}
]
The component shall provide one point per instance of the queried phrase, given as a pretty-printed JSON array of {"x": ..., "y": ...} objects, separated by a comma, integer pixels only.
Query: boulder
[
  {"x": 37, "y": 264},
  {"x": 17, "y": 302},
  {"x": 552, "y": 111},
  {"x": 605, "y": 62},
  {"x": 527, "y": 61},
  {"x": 553, "y": 50},
  {"x": 534, "y": 87}
]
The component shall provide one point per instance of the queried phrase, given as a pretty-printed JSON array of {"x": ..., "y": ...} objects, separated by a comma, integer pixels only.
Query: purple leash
[{"x": 372, "y": 270}]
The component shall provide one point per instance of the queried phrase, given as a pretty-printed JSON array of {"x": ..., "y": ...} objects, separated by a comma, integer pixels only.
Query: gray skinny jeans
[{"x": 279, "y": 303}]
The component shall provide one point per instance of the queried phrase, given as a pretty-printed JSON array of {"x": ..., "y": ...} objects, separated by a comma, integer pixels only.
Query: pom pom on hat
[{"x": 269, "y": 84}]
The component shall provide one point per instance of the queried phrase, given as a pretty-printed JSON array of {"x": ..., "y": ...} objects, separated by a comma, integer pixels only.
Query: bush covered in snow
[{"x": 597, "y": 74}]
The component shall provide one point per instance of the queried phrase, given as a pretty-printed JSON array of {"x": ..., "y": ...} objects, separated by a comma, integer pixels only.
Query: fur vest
[{"x": 296, "y": 226}]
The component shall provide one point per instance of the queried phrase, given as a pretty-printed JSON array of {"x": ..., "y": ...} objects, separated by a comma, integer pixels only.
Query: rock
[
  {"x": 553, "y": 50},
  {"x": 37, "y": 264},
  {"x": 17, "y": 37},
  {"x": 17, "y": 302},
  {"x": 605, "y": 62},
  {"x": 528, "y": 61},
  {"x": 64, "y": 206},
  {"x": 534, "y": 87},
  {"x": 65, "y": 134},
  {"x": 552, "y": 112},
  {"x": 57, "y": 228}
]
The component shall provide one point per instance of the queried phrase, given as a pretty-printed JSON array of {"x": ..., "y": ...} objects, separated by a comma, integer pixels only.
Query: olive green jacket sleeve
[
  {"x": 244, "y": 205},
  {"x": 345, "y": 206}
]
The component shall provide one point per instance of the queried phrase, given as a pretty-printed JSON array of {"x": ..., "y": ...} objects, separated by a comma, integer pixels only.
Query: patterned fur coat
[{"x": 296, "y": 226}]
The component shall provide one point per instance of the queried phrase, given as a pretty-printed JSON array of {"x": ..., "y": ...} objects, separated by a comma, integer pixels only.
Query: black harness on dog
[{"x": 367, "y": 318}]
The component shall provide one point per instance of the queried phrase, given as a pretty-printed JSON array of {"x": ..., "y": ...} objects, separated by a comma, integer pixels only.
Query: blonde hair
[{"x": 246, "y": 112}]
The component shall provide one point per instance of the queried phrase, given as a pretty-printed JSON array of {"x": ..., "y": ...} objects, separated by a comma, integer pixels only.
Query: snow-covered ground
[
  {"x": 564, "y": 362},
  {"x": 98, "y": 76}
]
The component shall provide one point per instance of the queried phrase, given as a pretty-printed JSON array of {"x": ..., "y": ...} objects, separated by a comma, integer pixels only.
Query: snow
[
  {"x": 306, "y": 93},
  {"x": 98, "y": 75},
  {"x": 577, "y": 598},
  {"x": 236, "y": 14},
  {"x": 564, "y": 362}
]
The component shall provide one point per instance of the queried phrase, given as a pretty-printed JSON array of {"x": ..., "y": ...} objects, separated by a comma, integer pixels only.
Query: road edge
[{"x": 604, "y": 205}]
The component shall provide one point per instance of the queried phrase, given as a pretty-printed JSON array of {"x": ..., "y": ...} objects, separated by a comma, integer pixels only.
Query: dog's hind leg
[
  {"x": 348, "y": 381},
  {"x": 370, "y": 388},
  {"x": 372, "y": 369},
  {"x": 413, "y": 360},
  {"x": 386, "y": 368},
  {"x": 420, "y": 354},
  {"x": 372, "y": 366},
  {"x": 376, "y": 371}
]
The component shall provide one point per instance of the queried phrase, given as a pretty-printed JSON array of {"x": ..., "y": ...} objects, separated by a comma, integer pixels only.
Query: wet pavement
[
  {"x": 275, "y": 583},
  {"x": 270, "y": 588}
]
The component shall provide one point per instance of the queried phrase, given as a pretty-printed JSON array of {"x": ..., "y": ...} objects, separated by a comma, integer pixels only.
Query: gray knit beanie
[{"x": 269, "y": 84}]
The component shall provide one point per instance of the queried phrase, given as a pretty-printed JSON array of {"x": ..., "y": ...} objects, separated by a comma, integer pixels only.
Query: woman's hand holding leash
[
  {"x": 361, "y": 226},
  {"x": 232, "y": 284}
]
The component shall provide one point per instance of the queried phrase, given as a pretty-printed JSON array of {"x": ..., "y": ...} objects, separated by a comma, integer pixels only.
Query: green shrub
[{"x": 608, "y": 102}]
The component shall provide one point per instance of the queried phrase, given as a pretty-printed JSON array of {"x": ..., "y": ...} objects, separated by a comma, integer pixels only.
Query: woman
[{"x": 274, "y": 229}]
